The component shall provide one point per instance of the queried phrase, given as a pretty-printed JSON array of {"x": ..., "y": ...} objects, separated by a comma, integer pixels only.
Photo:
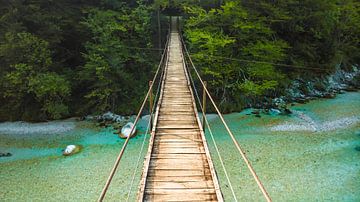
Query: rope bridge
[{"x": 178, "y": 164}]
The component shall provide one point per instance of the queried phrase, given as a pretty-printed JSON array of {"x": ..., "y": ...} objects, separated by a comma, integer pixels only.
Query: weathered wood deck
[{"x": 178, "y": 165}]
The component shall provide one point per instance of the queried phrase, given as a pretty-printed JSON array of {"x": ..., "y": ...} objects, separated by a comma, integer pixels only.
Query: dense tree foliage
[
  {"x": 61, "y": 58},
  {"x": 239, "y": 45},
  {"x": 67, "y": 58}
]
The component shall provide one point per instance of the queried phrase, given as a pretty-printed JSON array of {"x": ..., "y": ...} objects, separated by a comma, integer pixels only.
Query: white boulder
[{"x": 72, "y": 149}]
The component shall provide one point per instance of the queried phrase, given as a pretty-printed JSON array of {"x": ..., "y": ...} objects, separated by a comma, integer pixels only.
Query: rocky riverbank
[{"x": 303, "y": 90}]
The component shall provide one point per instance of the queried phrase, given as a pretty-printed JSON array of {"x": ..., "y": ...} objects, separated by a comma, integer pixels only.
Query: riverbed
[{"x": 310, "y": 155}]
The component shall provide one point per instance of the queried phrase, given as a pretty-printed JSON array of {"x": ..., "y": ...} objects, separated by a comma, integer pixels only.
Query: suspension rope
[
  {"x": 116, "y": 164},
  {"x": 242, "y": 153},
  {"x": 213, "y": 139},
  {"x": 143, "y": 143}
]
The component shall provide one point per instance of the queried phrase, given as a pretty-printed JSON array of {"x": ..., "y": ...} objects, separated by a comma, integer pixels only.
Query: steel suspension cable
[
  {"x": 242, "y": 153},
  {"x": 143, "y": 143},
  {"x": 116, "y": 164},
  {"x": 213, "y": 139}
]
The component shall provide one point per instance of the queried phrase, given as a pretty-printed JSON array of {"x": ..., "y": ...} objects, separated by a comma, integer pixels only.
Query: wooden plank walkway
[{"x": 178, "y": 165}]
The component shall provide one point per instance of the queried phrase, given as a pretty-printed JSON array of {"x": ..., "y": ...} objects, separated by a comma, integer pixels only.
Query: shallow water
[{"x": 308, "y": 156}]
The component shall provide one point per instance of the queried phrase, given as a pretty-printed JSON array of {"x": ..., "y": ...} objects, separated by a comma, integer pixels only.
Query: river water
[{"x": 311, "y": 155}]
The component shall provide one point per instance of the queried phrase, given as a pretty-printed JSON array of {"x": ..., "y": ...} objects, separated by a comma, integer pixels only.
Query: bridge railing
[
  {"x": 206, "y": 94},
  {"x": 159, "y": 74}
]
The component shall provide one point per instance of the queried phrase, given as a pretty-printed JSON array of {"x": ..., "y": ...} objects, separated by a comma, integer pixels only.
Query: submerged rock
[
  {"x": 274, "y": 111},
  {"x": 146, "y": 117},
  {"x": 72, "y": 149},
  {"x": 7, "y": 154},
  {"x": 329, "y": 95},
  {"x": 256, "y": 111}
]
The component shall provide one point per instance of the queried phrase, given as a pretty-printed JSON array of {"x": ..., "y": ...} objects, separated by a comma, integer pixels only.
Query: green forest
[{"x": 63, "y": 58}]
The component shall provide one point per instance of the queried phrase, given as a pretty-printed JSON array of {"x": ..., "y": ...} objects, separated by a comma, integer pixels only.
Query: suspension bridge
[{"x": 178, "y": 164}]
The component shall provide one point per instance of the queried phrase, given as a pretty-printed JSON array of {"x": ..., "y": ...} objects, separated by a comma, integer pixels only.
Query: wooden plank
[
  {"x": 168, "y": 195},
  {"x": 177, "y": 122},
  {"x": 177, "y": 144},
  {"x": 177, "y": 126},
  {"x": 168, "y": 137},
  {"x": 178, "y": 166},
  {"x": 177, "y": 156},
  {"x": 177, "y": 140},
  {"x": 175, "y": 198},
  {"x": 179, "y": 161},
  {"x": 177, "y": 118},
  {"x": 180, "y": 191},
  {"x": 166, "y": 172},
  {"x": 177, "y": 131},
  {"x": 204, "y": 184},
  {"x": 179, "y": 150},
  {"x": 179, "y": 179}
]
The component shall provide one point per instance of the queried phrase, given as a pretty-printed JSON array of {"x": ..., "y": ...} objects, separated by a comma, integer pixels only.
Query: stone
[
  {"x": 255, "y": 111},
  {"x": 108, "y": 116},
  {"x": 89, "y": 118},
  {"x": 287, "y": 111},
  {"x": 274, "y": 111},
  {"x": 6, "y": 154},
  {"x": 329, "y": 95},
  {"x": 126, "y": 130},
  {"x": 72, "y": 149}
]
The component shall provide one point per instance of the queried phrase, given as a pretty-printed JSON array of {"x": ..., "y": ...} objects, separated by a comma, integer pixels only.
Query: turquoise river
[{"x": 310, "y": 155}]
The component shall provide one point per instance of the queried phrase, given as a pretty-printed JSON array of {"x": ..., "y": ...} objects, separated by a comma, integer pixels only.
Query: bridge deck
[{"x": 178, "y": 166}]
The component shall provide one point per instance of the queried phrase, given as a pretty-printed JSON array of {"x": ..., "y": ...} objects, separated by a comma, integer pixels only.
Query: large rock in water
[
  {"x": 126, "y": 130},
  {"x": 72, "y": 149}
]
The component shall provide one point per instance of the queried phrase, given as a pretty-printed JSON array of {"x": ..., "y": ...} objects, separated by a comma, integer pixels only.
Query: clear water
[{"x": 308, "y": 156}]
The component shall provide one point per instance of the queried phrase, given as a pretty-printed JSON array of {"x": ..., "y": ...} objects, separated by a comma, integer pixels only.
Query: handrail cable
[
  {"x": 116, "y": 164},
  {"x": 212, "y": 137},
  {"x": 143, "y": 143},
  {"x": 271, "y": 63},
  {"x": 247, "y": 162}
]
